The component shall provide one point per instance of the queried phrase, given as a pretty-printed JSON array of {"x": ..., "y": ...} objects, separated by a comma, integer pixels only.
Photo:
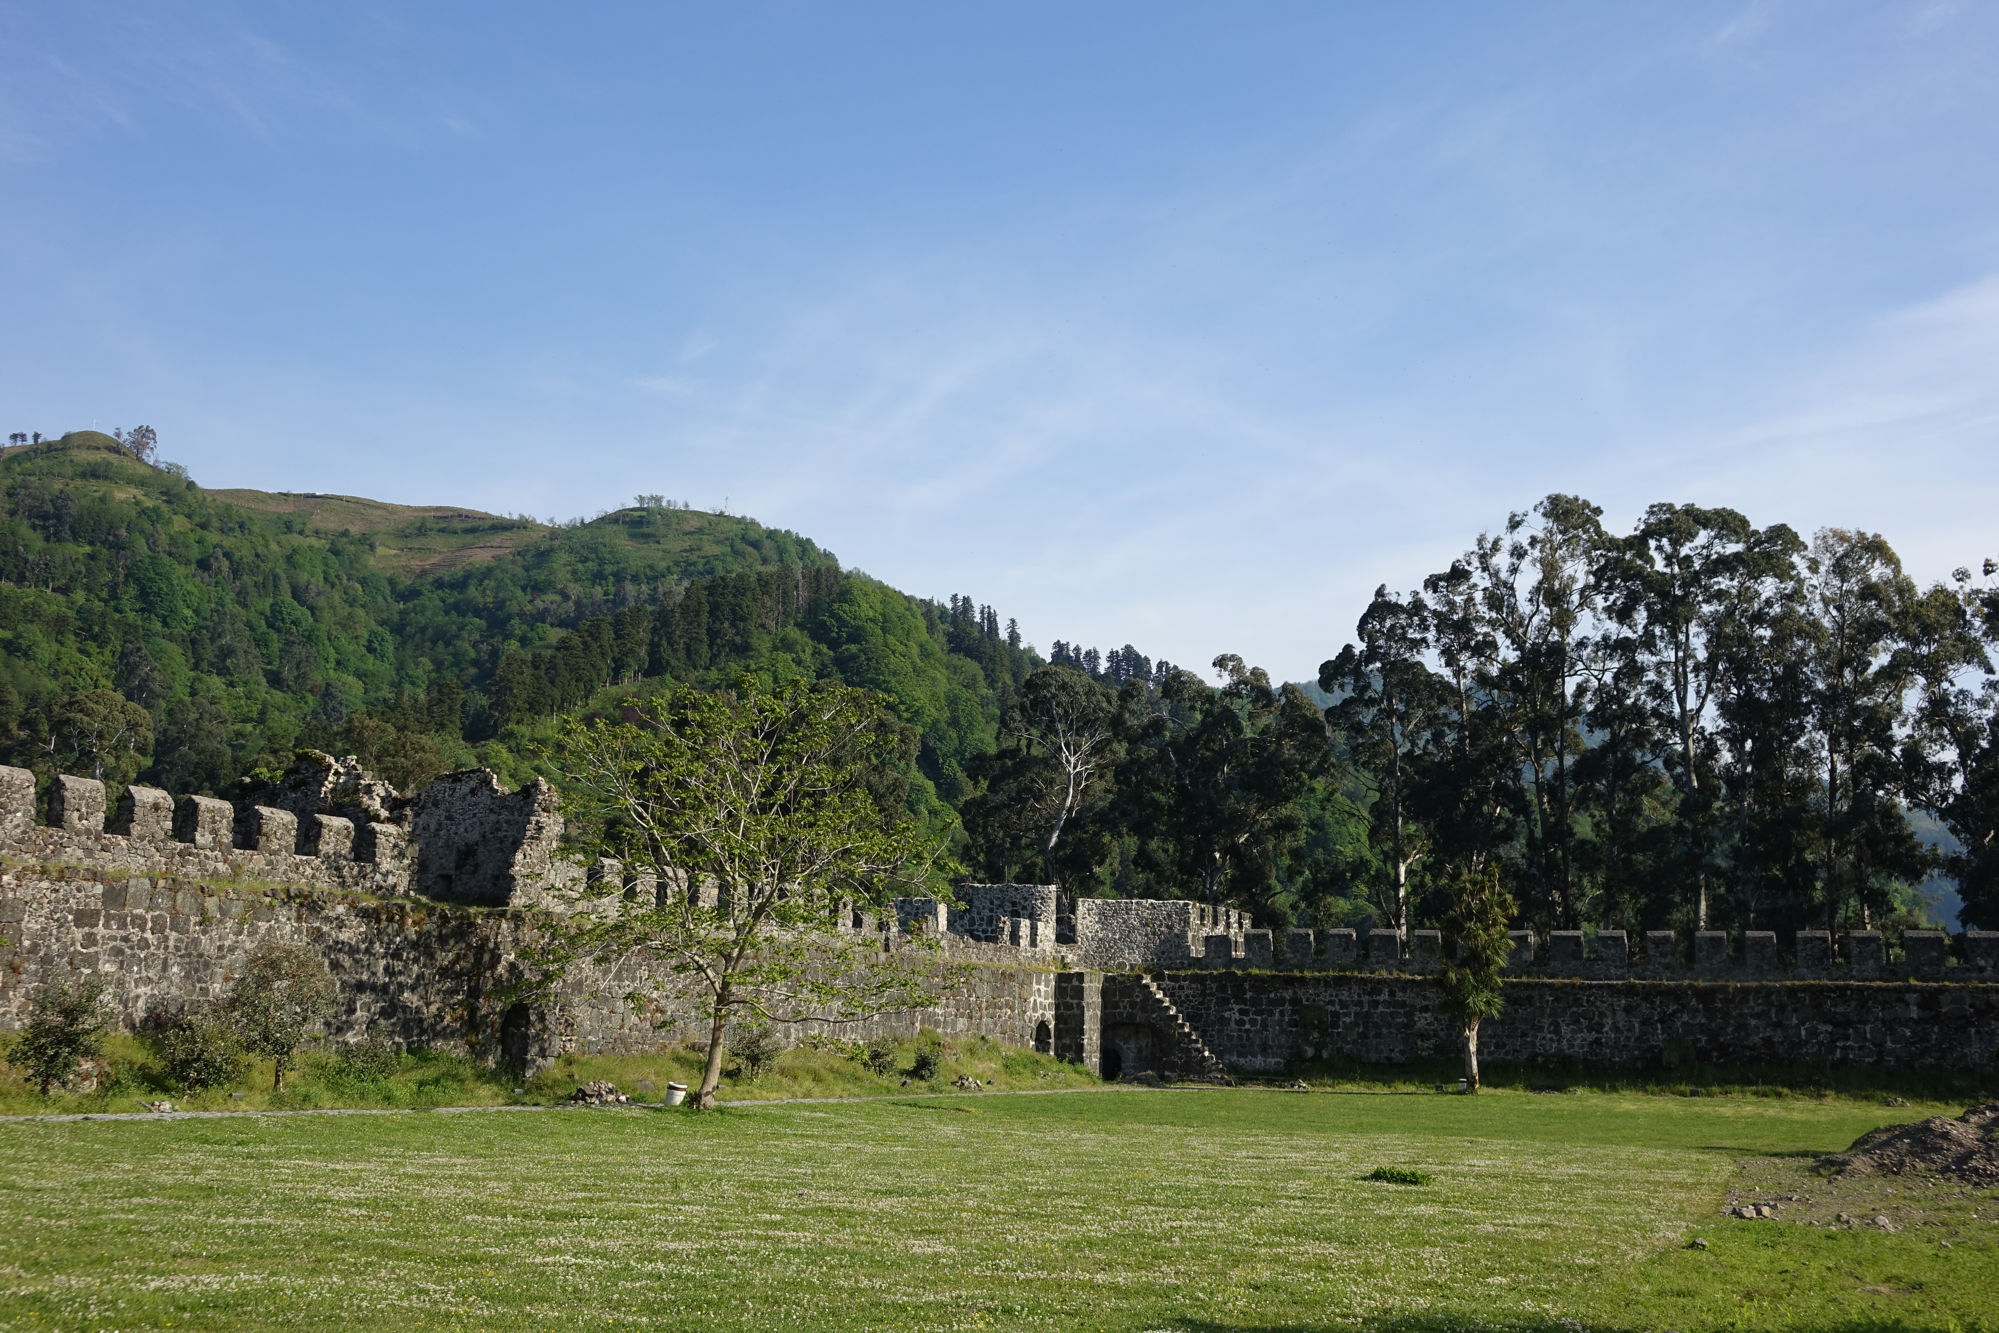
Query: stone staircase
[{"x": 1185, "y": 1054}]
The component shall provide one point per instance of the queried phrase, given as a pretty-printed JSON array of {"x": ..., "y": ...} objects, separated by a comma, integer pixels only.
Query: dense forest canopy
[
  {"x": 1700, "y": 723},
  {"x": 150, "y": 629}
]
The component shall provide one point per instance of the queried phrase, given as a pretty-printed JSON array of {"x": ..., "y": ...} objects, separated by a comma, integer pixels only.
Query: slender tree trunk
[
  {"x": 1471, "y": 1055},
  {"x": 278, "y": 1074},
  {"x": 711, "y": 1075}
]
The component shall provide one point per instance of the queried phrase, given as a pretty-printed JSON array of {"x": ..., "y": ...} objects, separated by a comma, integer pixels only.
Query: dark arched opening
[
  {"x": 1113, "y": 1063},
  {"x": 1044, "y": 1038}
]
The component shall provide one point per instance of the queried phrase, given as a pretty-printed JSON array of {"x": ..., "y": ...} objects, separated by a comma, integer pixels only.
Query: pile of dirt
[{"x": 1967, "y": 1147}]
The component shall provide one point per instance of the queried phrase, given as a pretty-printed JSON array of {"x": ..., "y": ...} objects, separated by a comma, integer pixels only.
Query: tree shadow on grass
[{"x": 1446, "y": 1323}]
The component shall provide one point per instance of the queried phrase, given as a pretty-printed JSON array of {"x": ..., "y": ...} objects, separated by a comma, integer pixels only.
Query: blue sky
[{"x": 1177, "y": 325}]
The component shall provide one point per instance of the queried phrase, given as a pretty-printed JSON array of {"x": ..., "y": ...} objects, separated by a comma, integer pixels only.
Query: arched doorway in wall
[
  {"x": 1044, "y": 1038},
  {"x": 1113, "y": 1064}
]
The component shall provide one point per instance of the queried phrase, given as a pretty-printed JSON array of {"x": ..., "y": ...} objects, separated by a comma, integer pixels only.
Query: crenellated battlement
[
  {"x": 1142, "y": 934},
  {"x": 1608, "y": 955},
  {"x": 327, "y": 824}
]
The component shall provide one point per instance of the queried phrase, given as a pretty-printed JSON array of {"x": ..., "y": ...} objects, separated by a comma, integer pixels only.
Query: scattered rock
[
  {"x": 1882, "y": 1224},
  {"x": 966, "y": 1081},
  {"x": 1967, "y": 1147},
  {"x": 161, "y": 1107},
  {"x": 1894, "y": 1101},
  {"x": 237, "y": 1096},
  {"x": 1697, "y": 1244},
  {"x": 599, "y": 1093},
  {"x": 1844, "y": 1219},
  {"x": 1298, "y": 1085}
]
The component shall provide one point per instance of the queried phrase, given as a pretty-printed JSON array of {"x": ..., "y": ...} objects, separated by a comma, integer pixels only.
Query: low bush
[
  {"x": 65, "y": 1027},
  {"x": 754, "y": 1050},
  {"x": 369, "y": 1058},
  {"x": 878, "y": 1056},
  {"x": 929, "y": 1057},
  {"x": 198, "y": 1048},
  {"x": 1399, "y": 1175}
]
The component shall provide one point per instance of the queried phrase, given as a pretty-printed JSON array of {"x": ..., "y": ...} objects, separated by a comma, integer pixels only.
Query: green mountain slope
[{"x": 151, "y": 627}]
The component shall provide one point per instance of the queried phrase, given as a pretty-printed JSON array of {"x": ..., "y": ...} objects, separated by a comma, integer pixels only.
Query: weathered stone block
[
  {"x": 1814, "y": 952},
  {"x": 1218, "y": 950},
  {"x": 1340, "y": 948},
  {"x": 1565, "y": 948},
  {"x": 1662, "y": 951},
  {"x": 144, "y": 814},
  {"x": 1710, "y": 950},
  {"x": 1981, "y": 950},
  {"x": 1523, "y": 948},
  {"x": 1256, "y": 949},
  {"x": 1927, "y": 951},
  {"x": 328, "y": 837},
  {"x": 76, "y": 805},
  {"x": 605, "y": 876},
  {"x": 1866, "y": 952},
  {"x": 203, "y": 821},
  {"x": 378, "y": 844},
  {"x": 478, "y": 842},
  {"x": 17, "y": 801},
  {"x": 1298, "y": 948},
  {"x": 1426, "y": 948},
  {"x": 116, "y": 897},
  {"x": 1759, "y": 952},
  {"x": 267, "y": 829},
  {"x": 1613, "y": 950},
  {"x": 1384, "y": 948}
]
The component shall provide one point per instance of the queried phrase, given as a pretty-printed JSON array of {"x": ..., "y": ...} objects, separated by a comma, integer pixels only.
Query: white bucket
[
  {"x": 676, "y": 1093},
  {"x": 1464, "y": 1085}
]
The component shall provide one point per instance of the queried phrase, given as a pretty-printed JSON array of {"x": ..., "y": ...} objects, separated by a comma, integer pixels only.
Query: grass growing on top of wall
[
  {"x": 129, "y": 1076},
  {"x": 1193, "y": 1211}
]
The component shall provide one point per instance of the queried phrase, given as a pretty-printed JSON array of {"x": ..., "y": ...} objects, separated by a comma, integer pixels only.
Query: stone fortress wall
[{"x": 427, "y": 907}]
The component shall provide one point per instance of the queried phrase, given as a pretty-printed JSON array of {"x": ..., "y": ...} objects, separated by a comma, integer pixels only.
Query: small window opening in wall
[
  {"x": 1044, "y": 1038},
  {"x": 1113, "y": 1063}
]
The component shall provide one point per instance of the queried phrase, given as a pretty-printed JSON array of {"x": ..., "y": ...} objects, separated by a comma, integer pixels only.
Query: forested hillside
[
  {"x": 151, "y": 628},
  {"x": 1700, "y": 723}
]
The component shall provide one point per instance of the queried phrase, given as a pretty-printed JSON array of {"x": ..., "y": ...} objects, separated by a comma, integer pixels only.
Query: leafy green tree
[
  {"x": 1056, "y": 764},
  {"x": 1862, "y": 602},
  {"x": 285, "y": 993},
  {"x": 198, "y": 1048},
  {"x": 1476, "y": 926},
  {"x": 759, "y": 811},
  {"x": 1211, "y": 779},
  {"x": 67, "y": 1018},
  {"x": 1384, "y": 716},
  {"x": 98, "y": 733},
  {"x": 143, "y": 443},
  {"x": 1539, "y": 588},
  {"x": 1666, "y": 586},
  {"x": 1952, "y": 752},
  {"x": 191, "y": 753}
]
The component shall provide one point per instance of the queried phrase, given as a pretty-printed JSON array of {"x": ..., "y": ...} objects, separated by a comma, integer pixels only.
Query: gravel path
[{"x": 567, "y": 1106}]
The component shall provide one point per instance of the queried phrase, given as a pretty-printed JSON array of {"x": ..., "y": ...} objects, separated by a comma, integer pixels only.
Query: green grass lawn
[{"x": 1090, "y": 1209}]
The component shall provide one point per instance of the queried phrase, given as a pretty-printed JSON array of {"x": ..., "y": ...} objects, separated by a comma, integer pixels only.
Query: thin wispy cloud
[{"x": 1186, "y": 334}]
